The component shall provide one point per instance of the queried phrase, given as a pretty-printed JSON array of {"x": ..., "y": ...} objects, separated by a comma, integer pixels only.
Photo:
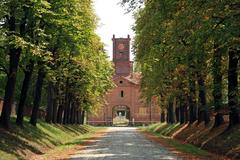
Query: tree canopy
[
  {"x": 182, "y": 49},
  {"x": 53, "y": 47}
]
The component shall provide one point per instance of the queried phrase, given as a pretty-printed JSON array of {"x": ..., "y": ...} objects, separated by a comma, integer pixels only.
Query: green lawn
[
  {"x": 164, "y": 130},
  {"x": 21, "y": 143},
  {"x": 187, "y": 148}
]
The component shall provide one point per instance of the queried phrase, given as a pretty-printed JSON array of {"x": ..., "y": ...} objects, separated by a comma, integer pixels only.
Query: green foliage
[
  {"x": 77, "y": 53},
  {"x": 175, "y": 41},
  {"x": 59, "y": 36}
]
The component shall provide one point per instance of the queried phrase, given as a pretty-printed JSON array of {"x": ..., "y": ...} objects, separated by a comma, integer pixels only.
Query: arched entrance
[{"x": 121, "y": 115}]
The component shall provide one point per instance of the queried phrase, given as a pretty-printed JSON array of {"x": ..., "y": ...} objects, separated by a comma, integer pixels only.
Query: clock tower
[
  {"x": 121, "y": 56},
  {"x": 124, "y": 104}
]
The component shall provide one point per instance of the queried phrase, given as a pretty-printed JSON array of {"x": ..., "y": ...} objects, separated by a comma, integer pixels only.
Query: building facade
[{"x": 124, "y": 104}]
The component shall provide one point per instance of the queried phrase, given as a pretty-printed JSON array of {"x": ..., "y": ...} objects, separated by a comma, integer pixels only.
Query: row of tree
[
  {"x": 49, "y": 48},
  {"x": 188, "y": 53}
]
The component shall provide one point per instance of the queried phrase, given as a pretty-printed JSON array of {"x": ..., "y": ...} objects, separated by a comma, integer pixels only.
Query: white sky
[{"x": 112, "y": 20}]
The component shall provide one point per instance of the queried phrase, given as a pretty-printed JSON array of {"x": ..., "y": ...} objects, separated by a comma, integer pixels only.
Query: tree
[
  {"x": 16, "y": 23},
  {"x": 192, "y": 37},
  {"x": 58, "y": 40}
]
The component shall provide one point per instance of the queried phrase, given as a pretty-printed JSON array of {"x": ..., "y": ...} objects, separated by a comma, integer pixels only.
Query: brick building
[{"x": 123, "y": 104}]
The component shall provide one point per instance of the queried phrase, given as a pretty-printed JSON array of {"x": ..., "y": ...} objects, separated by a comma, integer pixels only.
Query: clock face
[{"x": 121, "y": 46}]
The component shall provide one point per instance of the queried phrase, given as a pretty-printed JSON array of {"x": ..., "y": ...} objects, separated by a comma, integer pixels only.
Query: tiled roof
[{"x": 133, "y": 77}]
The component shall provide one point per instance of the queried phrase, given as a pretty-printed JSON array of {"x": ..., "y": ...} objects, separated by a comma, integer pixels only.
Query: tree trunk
[
  {"x": 14, "y": 56},
  {"x": 10, "y": 87},
  {"x": 69, "y": 111},
  {"x": 60, "y": 114},
  {"x": 177, "y": 112},
  {"x": 24, "y": 91},
  {"x": 186, "y": 114},
  {"x": 50, "y": 100},
  {"x": 234, "y": 119},
  {"x": 182, "y": 113},
  {"x": 83, "y": 117},
  {"x": 204, "y": 113},
  {"x": 163, "y": 117},
  {"x": 54, "y": 115},
  {"x": 66, "y": 104},
  {"x": 192, "y": 101},
  {"x": 192, "y": 89},
  {"x": 55, "y": 104},
  {"x": 217, "y": 86},
  {"x": 72, "y": 114},
  {"x": 171, "y": 118},
  {"x": 37, "y": 97},
  {"x": 77, "y": 117},
  {"x": 65, "y": 114}
]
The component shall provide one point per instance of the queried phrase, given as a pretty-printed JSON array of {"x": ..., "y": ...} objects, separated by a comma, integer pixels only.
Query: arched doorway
[{"x": 121, "y": 115}]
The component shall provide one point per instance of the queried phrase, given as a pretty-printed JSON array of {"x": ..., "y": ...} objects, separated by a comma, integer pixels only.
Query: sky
[{"x": 112, "y": 20}]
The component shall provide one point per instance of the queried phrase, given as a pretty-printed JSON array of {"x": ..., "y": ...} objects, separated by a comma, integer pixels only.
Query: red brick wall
[
  {"x": 121, "y": 56},
  {"x": 27, "y": 110},
  {"x": 139, "y": 110},
  {"x": 13, "y": 107}
]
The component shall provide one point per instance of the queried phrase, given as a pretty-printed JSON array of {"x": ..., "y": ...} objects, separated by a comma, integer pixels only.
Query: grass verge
[
  {"x": 187, "y": 148},
  {"x": 164, "y": 131},
  {"x": 28, "y": 141}
]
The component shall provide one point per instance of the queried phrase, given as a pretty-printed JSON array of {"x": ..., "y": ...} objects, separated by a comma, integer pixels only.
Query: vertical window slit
[{"x": 121, "y": 93}]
